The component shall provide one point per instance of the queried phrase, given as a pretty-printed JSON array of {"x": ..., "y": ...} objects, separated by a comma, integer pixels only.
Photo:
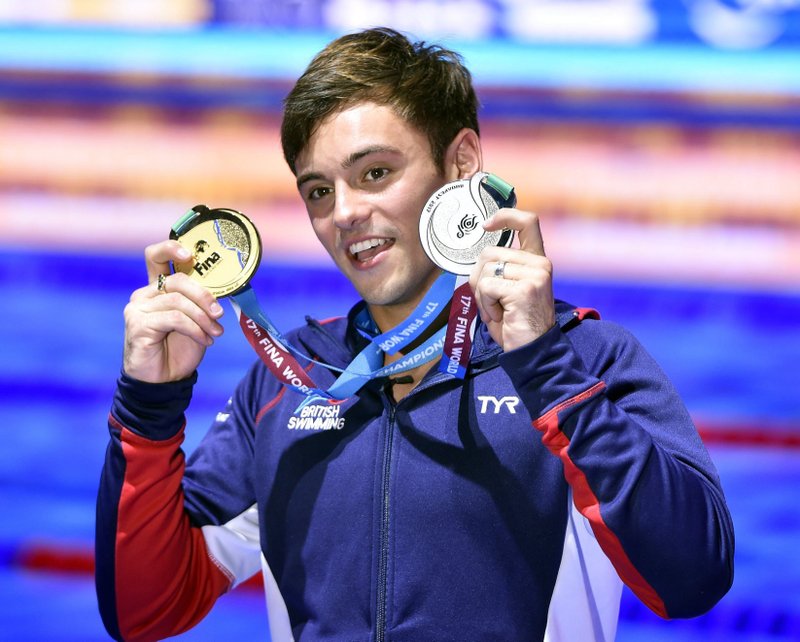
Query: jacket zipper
[{"x": 383, "y": 551}]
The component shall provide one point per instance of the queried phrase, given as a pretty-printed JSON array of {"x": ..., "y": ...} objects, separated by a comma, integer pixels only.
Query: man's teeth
[{"x": 355, "y": 248}]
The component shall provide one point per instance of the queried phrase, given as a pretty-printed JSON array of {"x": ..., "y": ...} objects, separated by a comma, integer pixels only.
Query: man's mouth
[{"x": 363, "y": 251}]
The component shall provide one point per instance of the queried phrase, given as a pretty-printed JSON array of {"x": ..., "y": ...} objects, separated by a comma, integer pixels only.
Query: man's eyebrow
[
  {"x": 309, "y": 176},
  {"x": 372, "y": 149},
  {"x": 348, "y": 162}
]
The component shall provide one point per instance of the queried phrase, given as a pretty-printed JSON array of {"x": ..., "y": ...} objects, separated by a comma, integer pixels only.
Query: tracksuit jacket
[{"x": 509, "y": 505}]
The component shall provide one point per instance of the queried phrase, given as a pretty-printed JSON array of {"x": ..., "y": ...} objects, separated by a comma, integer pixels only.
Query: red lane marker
[{"x": 764, "y": 435}]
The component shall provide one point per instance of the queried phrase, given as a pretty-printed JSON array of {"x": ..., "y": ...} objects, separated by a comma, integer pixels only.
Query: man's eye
[
  {"x": 377, "y": 173},
  {"x": 318, "y": 193}
]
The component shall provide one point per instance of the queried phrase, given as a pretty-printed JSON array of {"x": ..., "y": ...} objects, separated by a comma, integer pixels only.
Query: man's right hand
[{"x": 167, "y": 331}]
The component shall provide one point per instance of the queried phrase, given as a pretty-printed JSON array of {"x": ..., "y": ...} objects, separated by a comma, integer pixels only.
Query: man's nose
[{"x": 350, "y": 207}]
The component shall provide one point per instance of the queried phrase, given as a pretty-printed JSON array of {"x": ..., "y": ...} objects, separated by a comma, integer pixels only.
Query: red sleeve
[{"x": 162, "y": 577}]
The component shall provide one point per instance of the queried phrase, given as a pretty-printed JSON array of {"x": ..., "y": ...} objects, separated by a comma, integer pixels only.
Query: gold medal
[{"x": 225, "y": 247}]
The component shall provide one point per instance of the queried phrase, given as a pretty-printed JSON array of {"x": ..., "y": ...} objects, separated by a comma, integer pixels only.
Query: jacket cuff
[
  {"x": 152, "y": 410},
  {"x": 546, "y": 371}
]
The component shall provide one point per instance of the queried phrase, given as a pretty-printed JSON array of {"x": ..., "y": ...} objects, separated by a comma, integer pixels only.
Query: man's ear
[{"x": 463, "y": 156}]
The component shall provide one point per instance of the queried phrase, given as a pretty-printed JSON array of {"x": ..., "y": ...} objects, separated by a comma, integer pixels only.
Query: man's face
[{"x": 364, "y": 177}]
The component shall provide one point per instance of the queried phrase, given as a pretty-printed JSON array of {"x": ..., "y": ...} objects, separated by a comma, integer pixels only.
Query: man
[{"x": 508, "y": 504}]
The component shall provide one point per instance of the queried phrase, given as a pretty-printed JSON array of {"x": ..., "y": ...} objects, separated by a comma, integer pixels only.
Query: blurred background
[{"x": 658, "y": 140}]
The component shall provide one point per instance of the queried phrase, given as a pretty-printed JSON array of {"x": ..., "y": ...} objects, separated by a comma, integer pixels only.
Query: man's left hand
[{"x": 514, "y": 286}]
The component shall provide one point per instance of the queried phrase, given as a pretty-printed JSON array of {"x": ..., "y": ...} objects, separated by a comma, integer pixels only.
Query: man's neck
[
  {"x": 387, "y": 317},
  {"x": 411, "y": 378}
]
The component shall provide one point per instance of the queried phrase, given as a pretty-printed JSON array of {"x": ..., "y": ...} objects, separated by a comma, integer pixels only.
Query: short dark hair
[{"x": 425, "y": 84}]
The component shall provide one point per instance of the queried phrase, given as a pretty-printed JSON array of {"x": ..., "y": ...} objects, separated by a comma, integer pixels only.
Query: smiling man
[
  {"x": 364, "y": 177},
  {"x": 509, "y": 503}
]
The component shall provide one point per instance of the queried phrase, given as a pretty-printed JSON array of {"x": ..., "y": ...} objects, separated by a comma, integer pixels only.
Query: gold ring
[{"x": 161, "y": 283}]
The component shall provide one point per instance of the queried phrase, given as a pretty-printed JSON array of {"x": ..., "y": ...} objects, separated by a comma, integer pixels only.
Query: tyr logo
[{"x": 509, "y": 402}]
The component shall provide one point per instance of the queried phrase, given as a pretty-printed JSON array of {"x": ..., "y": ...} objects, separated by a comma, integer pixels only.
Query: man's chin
[{"x": 383, "y": 296}]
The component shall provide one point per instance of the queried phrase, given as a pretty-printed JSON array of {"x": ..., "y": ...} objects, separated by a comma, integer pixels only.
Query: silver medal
[{"x": 451, "y": 224}]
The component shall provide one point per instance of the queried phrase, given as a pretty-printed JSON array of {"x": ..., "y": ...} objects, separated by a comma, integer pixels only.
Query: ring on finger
[
  {"x": 161, "y": 283},
  {"x": 500, "y": 269}
]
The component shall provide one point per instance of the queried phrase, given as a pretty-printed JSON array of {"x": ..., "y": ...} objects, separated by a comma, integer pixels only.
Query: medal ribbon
[
  {"x": 460, "y": 330},
  {"x": 463, "y": 308},
  {"x": 423, "y": 315},
  {"x": 270, "y": 350},
  {"x": 276, "y": 352},
  {"x": 454, "y": 341}
]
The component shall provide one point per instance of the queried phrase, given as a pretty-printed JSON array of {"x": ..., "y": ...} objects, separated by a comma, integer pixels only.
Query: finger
[
  {"x": 181, "y": 284},
  {"x": 159, "y": 256},
  {"x": 501, "y": 269},
  {"x": 490, "y": 295},
  {"x": 518, "y": 264},
  {"x": 174, "y": 312},
  {"x": 487, "y": 297},
  {"x": 526, "y": 224},
  {"x": 487, "y": 264},
  {"x": 173, "y": 322},
  {"x": 182, "y": 294}
]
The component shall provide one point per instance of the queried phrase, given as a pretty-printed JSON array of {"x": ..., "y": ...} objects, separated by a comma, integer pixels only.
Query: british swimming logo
[{"x": 317, "y": 417}]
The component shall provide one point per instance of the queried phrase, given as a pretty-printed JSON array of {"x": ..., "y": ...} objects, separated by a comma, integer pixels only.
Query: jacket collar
[{"x": 339, "y": 340}]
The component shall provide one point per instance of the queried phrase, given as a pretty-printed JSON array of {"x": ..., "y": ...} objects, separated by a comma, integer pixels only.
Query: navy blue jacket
[{"x": 504, "y": 506}]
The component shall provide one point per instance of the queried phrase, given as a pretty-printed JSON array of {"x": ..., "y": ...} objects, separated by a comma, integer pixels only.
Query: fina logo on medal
[
  {"x": 451, "y": 225},
  {"x": 225, "y": 246},
  {"x": 203, "y": 266}
]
